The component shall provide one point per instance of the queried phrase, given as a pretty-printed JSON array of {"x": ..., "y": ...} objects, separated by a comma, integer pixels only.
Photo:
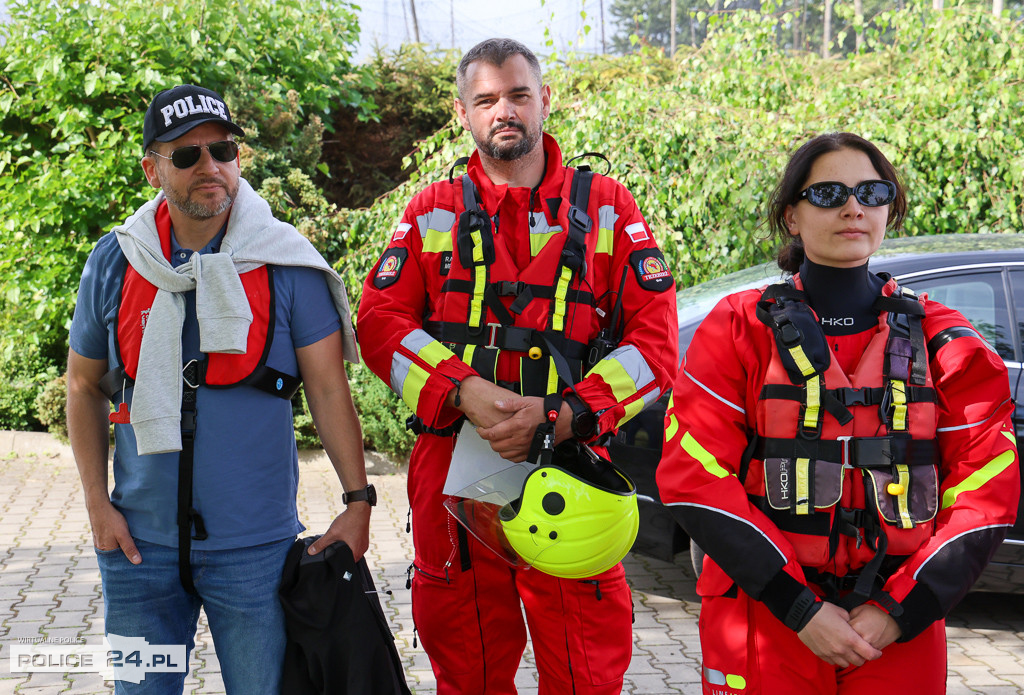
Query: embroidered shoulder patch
[
  {"x": 390, "y": 268},
  {"x": 651, "y": 270}
]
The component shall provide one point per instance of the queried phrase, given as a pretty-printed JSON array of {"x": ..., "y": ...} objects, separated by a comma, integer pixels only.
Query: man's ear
[
  {"x": 460, "y": 111},
  {"x": 149, "y": 168}
]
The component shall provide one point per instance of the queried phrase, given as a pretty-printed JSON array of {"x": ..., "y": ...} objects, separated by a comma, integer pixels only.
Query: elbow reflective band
[
  {"x": 673, "y": 427},
  {"x": 408, "y": 377},
  {"x": 626, "y": 373},
  {"x": 606, "y": 219},
  {"x": 979, "y": 477},
  {"x": 692, "y": 447}
]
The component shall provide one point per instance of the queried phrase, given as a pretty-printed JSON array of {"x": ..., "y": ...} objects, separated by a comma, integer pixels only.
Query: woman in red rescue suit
[{"x": 841, "y": 449}]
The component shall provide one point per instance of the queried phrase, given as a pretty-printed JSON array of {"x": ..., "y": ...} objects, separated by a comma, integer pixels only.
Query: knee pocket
[
  {"x": 603, "y": 626},
  {"x": 445, "y": 614}
]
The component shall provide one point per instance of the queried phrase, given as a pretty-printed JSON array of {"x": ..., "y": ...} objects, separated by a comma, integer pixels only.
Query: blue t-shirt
[{"x": 246, "y": 464}]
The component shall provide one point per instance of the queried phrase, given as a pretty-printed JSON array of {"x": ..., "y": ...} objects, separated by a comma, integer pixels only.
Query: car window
[
  {"x": 980, "y": 297},
  {"x": 1017, "y": 283}
]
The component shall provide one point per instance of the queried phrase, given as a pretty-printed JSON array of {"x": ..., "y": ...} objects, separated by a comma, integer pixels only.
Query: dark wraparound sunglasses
[
  {"x": 832, "y": 194},
  {"x": 185, "y": 157}
]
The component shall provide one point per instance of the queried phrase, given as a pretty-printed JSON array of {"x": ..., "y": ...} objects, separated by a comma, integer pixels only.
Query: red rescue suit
[
  {"x": 438, "y": 311},
  {"x": 891, "y": 462}
]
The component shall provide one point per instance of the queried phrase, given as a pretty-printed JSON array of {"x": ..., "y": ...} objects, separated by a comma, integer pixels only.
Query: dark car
[{"x": 980, "y": 275}]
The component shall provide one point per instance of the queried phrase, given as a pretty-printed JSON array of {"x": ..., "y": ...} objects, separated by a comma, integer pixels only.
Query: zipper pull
[
  {"x": 408, "y": 577},
  {"x": 408, "y": 521},
  {"x": 597, "y": 586}
]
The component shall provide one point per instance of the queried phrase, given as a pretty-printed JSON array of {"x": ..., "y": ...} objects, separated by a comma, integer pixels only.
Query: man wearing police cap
[{"x": 195, "y": 318}]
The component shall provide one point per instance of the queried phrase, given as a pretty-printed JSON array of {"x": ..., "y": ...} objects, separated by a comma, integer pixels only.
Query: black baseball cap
[{"x": 178, "y": 110}]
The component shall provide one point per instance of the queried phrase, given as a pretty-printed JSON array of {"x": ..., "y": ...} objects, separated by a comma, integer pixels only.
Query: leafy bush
[
  {"x": 71, "y": 110},
  {"x": 51, "y": 406},
  {"x": 26, "y": 373}
]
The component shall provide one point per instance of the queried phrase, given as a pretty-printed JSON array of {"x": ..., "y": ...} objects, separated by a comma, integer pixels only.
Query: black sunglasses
[
  {"x": 185, "y": 157},
  {"x": 832, "y": 194}
]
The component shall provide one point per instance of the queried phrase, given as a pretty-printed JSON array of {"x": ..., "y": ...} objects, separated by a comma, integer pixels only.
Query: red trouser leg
[
  {"x": 469, "y": 621},
  {"x": 748, "y": 651},
  {"x": 582, "y": 631}
]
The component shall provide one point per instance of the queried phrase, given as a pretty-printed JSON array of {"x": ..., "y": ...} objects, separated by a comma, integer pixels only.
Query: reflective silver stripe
[
  {"x": 732, "y": 516},
  {"x": 607, "y": 217},
  {"x": 715, "y": 395},
  {"x": 972, "y": 424},
  {"x": 636, "y": 368},
  {"x": 417, "y": 340},
  {"x": 437, "y": 219},
  {"x": 956, "y": 537},
  {"x": 400, "y": 364},
  {"x": 539, "y": 224}
]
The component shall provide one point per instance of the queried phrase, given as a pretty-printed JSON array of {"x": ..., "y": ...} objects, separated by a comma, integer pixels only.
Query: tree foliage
[
  {"x": 71, "y": 106},
  {"x": 700, "y": 139}
]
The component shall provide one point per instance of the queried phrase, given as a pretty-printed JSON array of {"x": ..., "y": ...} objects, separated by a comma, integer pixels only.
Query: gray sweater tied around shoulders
[{"x": 253, "y": 238}]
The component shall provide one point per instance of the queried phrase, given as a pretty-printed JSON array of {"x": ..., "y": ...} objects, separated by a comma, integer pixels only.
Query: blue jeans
[{"x": 238, "y": 589}]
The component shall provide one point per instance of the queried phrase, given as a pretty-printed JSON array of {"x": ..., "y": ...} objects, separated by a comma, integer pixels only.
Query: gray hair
[{"x": 495, "y": 52}]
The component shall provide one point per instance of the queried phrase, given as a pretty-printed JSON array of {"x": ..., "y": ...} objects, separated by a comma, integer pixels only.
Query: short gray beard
[{"x": 198, "y": 211}]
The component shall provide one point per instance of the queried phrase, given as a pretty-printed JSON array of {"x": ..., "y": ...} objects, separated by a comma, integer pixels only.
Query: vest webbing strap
[
  {"x": 496, "y": 336},
  {"x": 859, "y": 452},
  {"x": 523, "y": 292},
  {"x": 187, "y": 515},
  {"x": 263, "y": 378},
  {"x": 835, "y": 400}
]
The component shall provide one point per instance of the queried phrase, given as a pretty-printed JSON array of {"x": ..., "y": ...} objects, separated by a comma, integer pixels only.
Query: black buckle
[
  {"x": 508, "y": 288},
  {"x": 855, "y": 396},
  {"x": 580, "y": 219}
]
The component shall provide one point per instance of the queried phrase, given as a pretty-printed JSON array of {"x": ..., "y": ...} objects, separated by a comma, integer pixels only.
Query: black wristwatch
[
  {"x": 584, "y": 422},
  {"x": 368, "y": 494}
]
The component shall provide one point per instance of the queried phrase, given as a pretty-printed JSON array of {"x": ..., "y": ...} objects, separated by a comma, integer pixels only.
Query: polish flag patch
[
  {"x": 403, "y": 229},
  {"x": 637, "y": 232}
]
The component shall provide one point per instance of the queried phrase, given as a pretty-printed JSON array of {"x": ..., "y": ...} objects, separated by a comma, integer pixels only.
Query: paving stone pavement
[{"x": 50, "y": 589}]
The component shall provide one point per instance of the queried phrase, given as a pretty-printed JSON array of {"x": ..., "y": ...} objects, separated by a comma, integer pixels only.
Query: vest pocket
[
  {"x": 802, "y": 485},
  {"x": 905, "y": 495}
]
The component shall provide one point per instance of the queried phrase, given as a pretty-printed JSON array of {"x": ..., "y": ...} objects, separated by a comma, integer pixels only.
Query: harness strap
[
  {"x": 859, "y": 452},
  {"x": 835, "y": 401},
  {"x": 264, "y": 378},
  {"x": 499, "y": 337},
  {"x": 519, "y": 290},
  {"x": 187, "y": 516}
]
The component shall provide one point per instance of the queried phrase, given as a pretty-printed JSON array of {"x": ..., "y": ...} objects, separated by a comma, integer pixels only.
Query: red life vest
[
  {"x": 838, "y": 458},
  {"x": 221, "y": 370}
]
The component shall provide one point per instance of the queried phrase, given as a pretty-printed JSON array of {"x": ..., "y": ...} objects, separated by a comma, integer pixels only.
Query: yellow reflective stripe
[
  {"x": 434, "y": 353},
  {"x": 561, "y": 289},
  {"x": 735, "y": 681},
  {"x": 436, "y": 241},
  {"x": 703, "y": 456},
  {"x": 413, "y": 385},
  {"x": 476, "y": 304},
  {"x": 903, "y": 499},
  {"x": 802, "y": 486},
  {"x": 631, "y": 410},
  {"x": 605, "y": 237},
  {"x": 539, "y": 240},
  {"x": 673, "y": 425},
  {"x": 899, "y": 407},
  {"x": 468, "y": 353},
  {"x": 979, "y": 477},
  {"x": 552, "y": 376},
  {"x": 813, "y": 409},
  {"x": 617, "y": 378},
  {"x": 802, "y": 363}
]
